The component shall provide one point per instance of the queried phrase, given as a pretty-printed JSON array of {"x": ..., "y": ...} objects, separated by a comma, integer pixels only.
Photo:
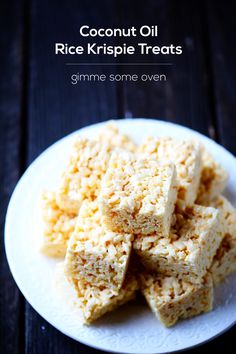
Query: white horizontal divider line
[{"x": 120, "y": 64}]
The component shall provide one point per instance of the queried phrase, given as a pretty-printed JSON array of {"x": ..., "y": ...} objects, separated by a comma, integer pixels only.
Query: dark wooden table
[{"x": 38, "y": 105}]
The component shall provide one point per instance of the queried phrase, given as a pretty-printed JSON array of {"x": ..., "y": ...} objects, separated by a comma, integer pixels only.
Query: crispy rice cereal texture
[
  {"x": 224, "y": 261},
  {"x": 95, "y": 301},
  {"x": 137, "y": 194},
  {"x": 88, "y": 163},
  {"x": 188, "y": 252},
  {"x": 58, "y": 226},
  {"x": 110, "y": 134},
  {"x": 186, "y": 156},
  {"x": 95, "y": 254},
  {"x": 171, "y": 299},
  {"x": 213, "y": 178}
]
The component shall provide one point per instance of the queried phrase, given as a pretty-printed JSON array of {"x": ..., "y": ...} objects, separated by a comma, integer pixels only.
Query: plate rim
[{"x": 18, "y": 186}]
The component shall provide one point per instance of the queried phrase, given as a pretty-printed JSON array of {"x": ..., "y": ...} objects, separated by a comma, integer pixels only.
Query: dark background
[{"x": 38, "y": 105}]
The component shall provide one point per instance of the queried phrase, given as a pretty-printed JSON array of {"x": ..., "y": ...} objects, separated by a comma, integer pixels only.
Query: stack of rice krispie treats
[{"x": 161, "y": 203}]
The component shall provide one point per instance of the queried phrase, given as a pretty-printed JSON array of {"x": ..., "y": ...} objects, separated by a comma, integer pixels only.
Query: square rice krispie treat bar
[
  {"x": 186, "y": 155},
  {"x": 213, "y": 178},
  {"x": 58, "y": 226},
  {"x": 188, "y": 252},
  {"x": 96, "y": 301},
  {"x": 224, "y": 261},
  {"x": 95, "y": 254},
  {"x": 88, "y": 163},
  {"x": 138, "y": 194},
  {"x": 111, "y": 134},
  {"x": 171, "y": 299}
]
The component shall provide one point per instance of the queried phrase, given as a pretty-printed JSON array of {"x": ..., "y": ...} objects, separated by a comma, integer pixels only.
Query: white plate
[{"x": 133, "y": 328}]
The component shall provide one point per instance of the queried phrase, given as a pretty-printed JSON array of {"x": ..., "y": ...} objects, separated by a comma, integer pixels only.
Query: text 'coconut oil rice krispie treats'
[
  {"x": 224, "y": 261},
  {"x": 87, "y": 164},
  {"x": 137, "y": 194},
  {"x": 96, "y": 254},
  {"x": 213, "y": 178},
  {"x": 95, "y": 301},
  {"x": 186, "y": 156},
  {"x": 171, "y": 299},
  {"x": 189, "y": 251},
  {"x": 58, "y": 226}
]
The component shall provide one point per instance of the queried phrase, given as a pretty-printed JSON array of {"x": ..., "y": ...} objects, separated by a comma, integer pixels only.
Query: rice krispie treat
[
  {"x": 224, "y": 261},
  {"x": 110, "y": 134},
  {"x": 58, "y": 226},
  {"x": 95, "y": 301},
  {"x": 95, "y": 254},
  {"x": 186, "y": 156},
  {"x": 171, "y": 299},
  {"x": 137, "y": 194},
  {"x": 213, "y": 178},
  {"x": 188, "y": 252},
  {"x": 88, "y": 163}
]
